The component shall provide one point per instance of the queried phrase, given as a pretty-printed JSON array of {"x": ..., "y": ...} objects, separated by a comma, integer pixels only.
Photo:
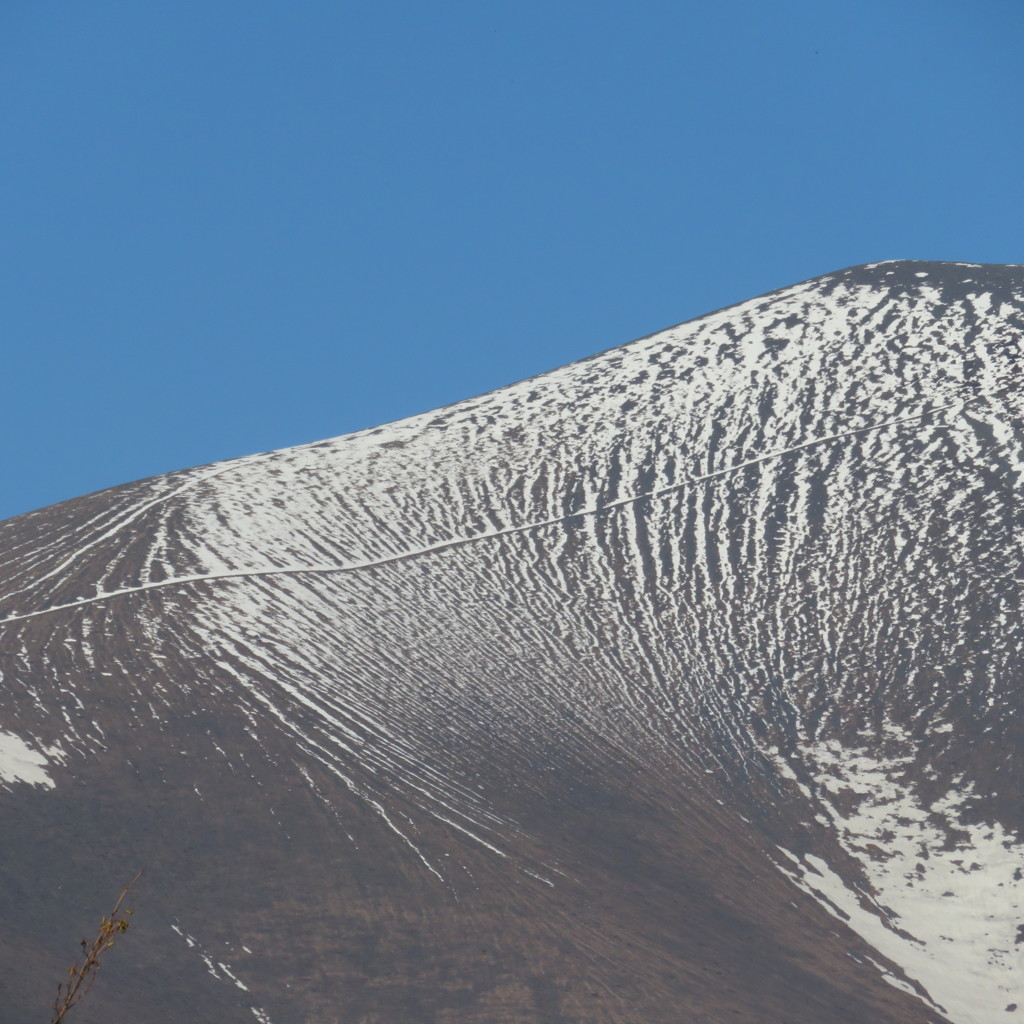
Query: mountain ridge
[{"x": 757, "y": 571}]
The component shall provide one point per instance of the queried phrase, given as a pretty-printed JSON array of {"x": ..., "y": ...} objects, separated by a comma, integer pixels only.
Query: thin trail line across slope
[{"x": 295, "y": 570}]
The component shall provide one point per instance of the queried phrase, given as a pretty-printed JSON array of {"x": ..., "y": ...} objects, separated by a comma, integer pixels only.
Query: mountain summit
[{"x": 683, "y": 683}]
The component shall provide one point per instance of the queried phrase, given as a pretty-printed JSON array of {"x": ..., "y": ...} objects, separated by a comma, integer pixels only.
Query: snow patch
[
  {"x": 945, "y": 897},
  {"x": 20, "y": 763}
]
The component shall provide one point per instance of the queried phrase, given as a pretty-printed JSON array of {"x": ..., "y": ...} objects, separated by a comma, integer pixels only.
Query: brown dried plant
[{"x": 82, "y": 975}]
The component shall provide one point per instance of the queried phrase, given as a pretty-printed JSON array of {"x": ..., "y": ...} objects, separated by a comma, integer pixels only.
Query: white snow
[
  {"x": 20, "y": 763},
  {"x": 945, "y": 897}
]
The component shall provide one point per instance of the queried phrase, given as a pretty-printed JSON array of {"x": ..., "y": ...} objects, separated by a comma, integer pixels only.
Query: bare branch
[{"x": 82, "y": 975}]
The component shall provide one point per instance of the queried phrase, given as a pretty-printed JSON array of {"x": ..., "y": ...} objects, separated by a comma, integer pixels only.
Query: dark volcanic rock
[{"x": 679, "y": 684}]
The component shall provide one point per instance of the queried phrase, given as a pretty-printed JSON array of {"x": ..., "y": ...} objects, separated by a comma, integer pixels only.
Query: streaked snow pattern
[{"x": 776, "y": 550}]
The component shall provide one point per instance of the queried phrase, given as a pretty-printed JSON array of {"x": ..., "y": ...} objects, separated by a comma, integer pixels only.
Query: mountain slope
[{"x": 681, "y": 683}]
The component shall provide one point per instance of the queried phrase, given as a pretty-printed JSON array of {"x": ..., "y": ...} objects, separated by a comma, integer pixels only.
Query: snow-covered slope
[{"x": 683, "y": 682}]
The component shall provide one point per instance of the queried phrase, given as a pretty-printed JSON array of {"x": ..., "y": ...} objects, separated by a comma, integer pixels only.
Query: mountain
[{"x": 683, "y": 683}]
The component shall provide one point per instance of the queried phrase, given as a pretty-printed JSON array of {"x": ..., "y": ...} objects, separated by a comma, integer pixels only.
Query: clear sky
[{"x": 228, "y": 226}]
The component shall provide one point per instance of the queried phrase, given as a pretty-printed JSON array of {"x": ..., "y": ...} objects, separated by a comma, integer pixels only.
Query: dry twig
[{"x": 82, "y": 975}]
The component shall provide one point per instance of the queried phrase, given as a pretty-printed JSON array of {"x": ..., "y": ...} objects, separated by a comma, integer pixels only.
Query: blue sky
[{"x": 230, "y": 225}]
